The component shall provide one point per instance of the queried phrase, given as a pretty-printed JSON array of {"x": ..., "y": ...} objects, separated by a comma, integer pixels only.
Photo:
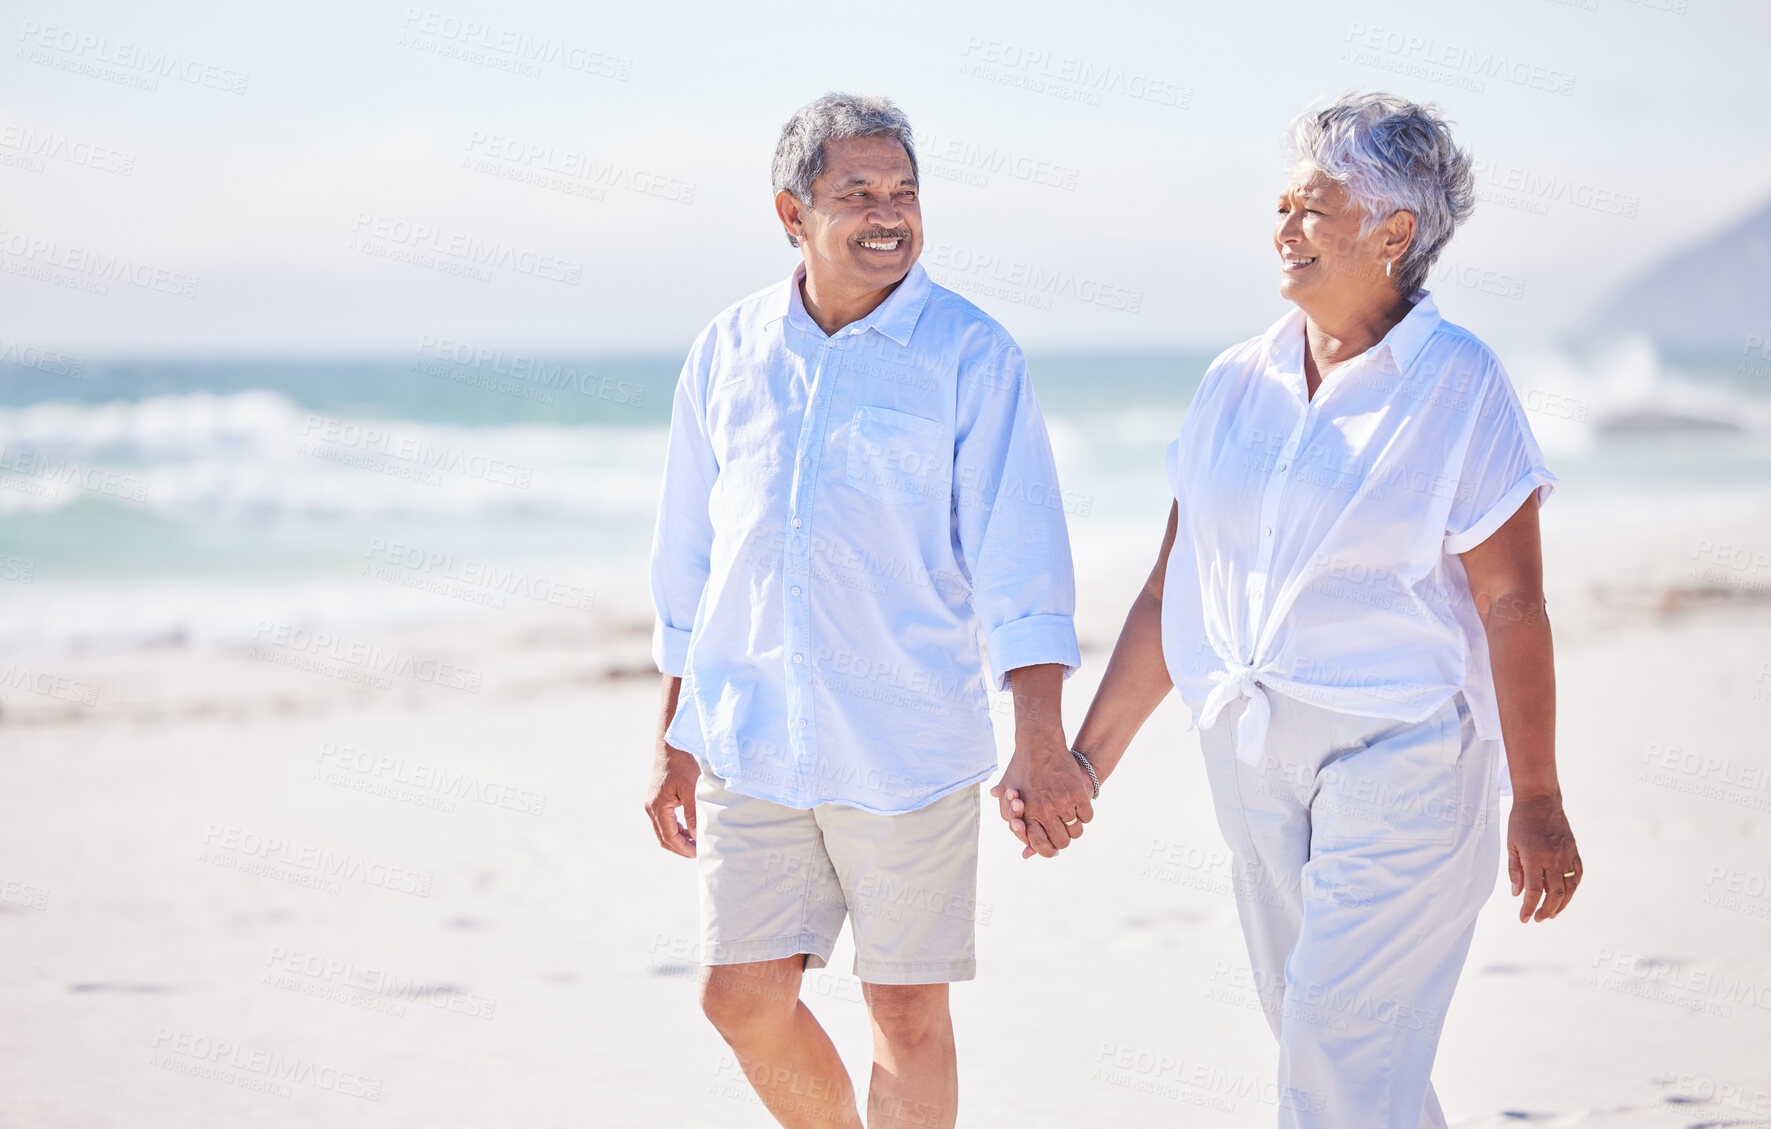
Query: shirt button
[
  {"x": 798, "y": 658},
  {"x": 1269, "y": 529},
  {"x": 795, "y": 589},
  {"x": 802, "y": 723},
  {"x": 1282, "y": 466},
  {"x": 808, "y": 462},
  {"x": 796, "y": 525}
]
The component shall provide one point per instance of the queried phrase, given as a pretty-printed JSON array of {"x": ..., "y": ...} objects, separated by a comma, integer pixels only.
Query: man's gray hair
[
  {"x": 799, "y": 155},
  {"x": 1392, "y": 155}
]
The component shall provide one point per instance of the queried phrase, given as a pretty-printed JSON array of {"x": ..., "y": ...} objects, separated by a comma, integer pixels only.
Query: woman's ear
[{"x": 1398, "y": 236}]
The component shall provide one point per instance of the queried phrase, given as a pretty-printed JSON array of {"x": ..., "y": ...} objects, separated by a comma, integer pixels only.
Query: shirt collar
[
  {"x": 1409, "y": 336},
  {"x": 1285, "y": 341},
  {"x": 895, "y": 317}
]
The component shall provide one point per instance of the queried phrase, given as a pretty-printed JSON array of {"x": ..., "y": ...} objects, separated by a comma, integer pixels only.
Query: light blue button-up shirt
[{"x": 849, "y": 524}]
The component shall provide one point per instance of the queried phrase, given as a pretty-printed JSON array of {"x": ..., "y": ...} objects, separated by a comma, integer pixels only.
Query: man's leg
[
  {"x": 911, "y": 885},
  {"x": 771, "y": 907},
  {"x": 783, "y": 1051},
  {"x": 915, "y": 1062}
]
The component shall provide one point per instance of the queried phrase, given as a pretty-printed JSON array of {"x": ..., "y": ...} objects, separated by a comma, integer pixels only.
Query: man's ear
[{"x": 791, "y": 210}]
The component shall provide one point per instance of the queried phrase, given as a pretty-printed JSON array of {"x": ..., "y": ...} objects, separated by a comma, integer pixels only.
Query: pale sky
[{"x": 285, "y": 161}]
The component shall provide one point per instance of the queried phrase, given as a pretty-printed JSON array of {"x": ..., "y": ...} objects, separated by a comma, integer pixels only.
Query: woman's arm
[
  {"x": 1135, "y": 683},
  {"x": 1506, "y": 581},
  {"x": 1137, "y": 675}
]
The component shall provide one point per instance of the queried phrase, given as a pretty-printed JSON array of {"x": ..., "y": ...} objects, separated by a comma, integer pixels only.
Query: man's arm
[
  {"x": 672, "y": 786},
  {"x": 682, "y": 544},
  {"x": 1506, "y": 581},
  {"x": 1055, "y": 789},
  {"x": 1135, "y": 683},
  {"x": 1010, "y": 522}
]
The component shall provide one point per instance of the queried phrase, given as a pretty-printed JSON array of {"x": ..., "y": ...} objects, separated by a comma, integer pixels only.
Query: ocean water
[{"x": 194, "y": 501}]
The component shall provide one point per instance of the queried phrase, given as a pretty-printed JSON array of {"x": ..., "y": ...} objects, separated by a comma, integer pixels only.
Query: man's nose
[{"x": 886, "y": 213}]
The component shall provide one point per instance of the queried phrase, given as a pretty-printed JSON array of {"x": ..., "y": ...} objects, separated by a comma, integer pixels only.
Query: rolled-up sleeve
[
  {"x": 683, "y": 538},
  {"x": 1009, "y": 520},
  {"x": 1502, "y": 467}
]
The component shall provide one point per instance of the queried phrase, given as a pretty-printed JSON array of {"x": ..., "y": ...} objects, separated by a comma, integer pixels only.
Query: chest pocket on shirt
[{"x": 897, "y": 457}]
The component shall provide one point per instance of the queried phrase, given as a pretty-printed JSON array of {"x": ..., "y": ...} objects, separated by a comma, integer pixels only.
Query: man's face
[{"x": 864, "y": 228}]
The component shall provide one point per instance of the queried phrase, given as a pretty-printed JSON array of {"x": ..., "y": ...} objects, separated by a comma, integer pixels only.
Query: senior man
[{"x": 857, "y": 510}]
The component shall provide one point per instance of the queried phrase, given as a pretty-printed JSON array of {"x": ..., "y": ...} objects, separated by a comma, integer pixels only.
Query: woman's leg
[
  {"x": 1263, "y": 811},
  {"x": 1404, "y": 851},
  {"x": 1363, "y": 849}
]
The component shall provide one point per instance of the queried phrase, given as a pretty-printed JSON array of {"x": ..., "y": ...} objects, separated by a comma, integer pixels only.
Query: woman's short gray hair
[
  {"x": 799, "y": 155},
  {"x": 1392, "y": 155}
]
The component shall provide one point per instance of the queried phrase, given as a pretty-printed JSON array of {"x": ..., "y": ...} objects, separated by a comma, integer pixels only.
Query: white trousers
[{"x": 1363, "y": 849}]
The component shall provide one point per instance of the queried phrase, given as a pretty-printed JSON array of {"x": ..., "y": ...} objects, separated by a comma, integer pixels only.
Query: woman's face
[{"x": 1321, "y": 253}]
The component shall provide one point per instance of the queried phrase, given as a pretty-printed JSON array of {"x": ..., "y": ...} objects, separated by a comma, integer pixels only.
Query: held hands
[
  {"x": 1044, "y": 796},
  {"x": 674, "y": 774},
  {"x": 1542, "y": 860}
]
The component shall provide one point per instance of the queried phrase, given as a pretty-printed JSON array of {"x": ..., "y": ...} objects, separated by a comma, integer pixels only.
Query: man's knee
[
  {"x": 738, "y": 998},
  {"x": 909, "y": 1015}
]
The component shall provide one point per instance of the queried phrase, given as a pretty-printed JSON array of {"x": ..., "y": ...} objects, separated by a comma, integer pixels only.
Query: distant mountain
[{"x": 1714, "y": 295}]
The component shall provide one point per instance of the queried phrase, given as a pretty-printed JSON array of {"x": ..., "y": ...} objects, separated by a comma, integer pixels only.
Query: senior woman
[{"x": 1349, "y": 599}]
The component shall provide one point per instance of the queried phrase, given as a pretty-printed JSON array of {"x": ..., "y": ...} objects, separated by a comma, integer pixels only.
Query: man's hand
[
  {"x": 1044, "y": 779},
  {"x": 1042, "y": 788},
  {"x": 1540, "y": 852},
  {"x": 674, "y": 773}
]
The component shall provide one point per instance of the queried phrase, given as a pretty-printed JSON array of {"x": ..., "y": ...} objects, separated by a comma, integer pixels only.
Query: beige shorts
[{"x": 777, "y": 881}]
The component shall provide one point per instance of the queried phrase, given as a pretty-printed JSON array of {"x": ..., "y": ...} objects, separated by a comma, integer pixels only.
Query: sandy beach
[
  {"x": 262, "y": 884},
  {"x": 339, "y": 352}
]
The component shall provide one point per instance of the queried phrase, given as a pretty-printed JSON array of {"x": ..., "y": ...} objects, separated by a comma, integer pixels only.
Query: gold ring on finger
[{"x": 1570, "y": 874}]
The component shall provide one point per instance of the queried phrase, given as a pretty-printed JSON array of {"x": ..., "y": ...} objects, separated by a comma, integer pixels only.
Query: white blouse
[{"x": 1316, "y": 554}]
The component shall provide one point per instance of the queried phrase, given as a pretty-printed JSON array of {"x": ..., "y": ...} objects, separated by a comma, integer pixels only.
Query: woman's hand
[
  {"x": 1506, "y": 582},
  {"x": 1542, "y": 859},
  {"x": 1042, "y": 787}
]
